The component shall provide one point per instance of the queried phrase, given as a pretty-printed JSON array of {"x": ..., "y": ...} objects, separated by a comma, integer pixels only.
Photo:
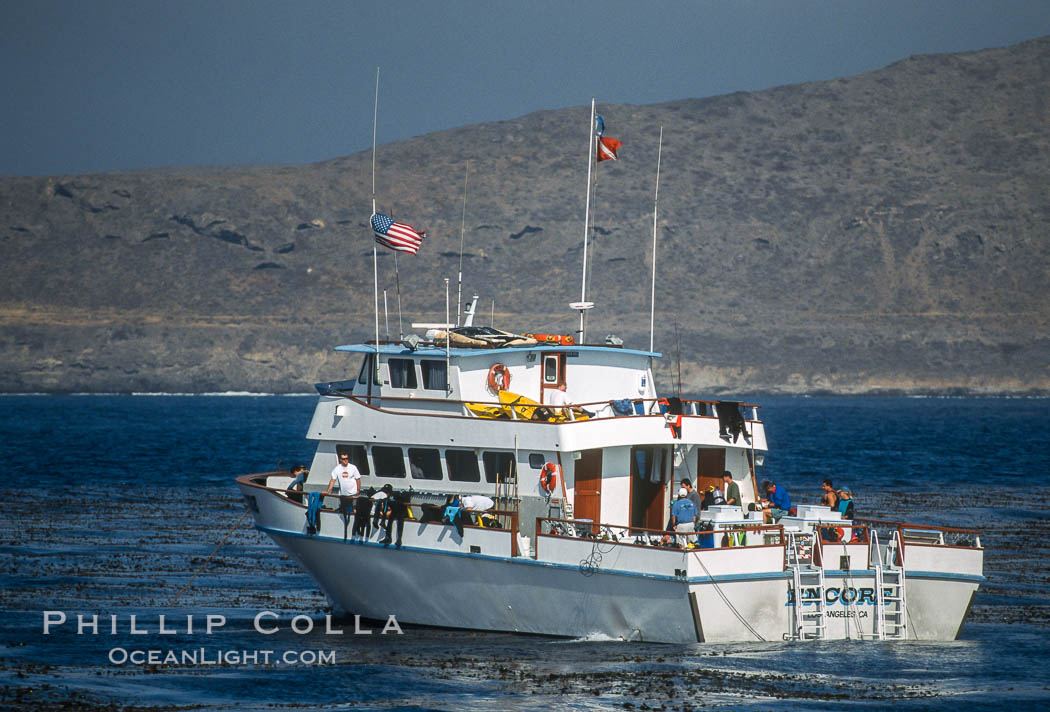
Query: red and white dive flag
[
  {"x": 395, "y": 235},
  {"x": 607, "y": 147}
]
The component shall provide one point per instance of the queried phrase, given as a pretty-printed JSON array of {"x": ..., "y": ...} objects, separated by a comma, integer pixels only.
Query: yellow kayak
[
  {"x": 518, "y": 407},
  {"x": 527, "y": 409},
  {"x": 483, "y": 410}
]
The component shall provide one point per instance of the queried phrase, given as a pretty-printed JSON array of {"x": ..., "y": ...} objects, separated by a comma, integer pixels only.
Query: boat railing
[
  {"x": 422, "y": 512},
  {"x": 731, "y": 536},
  {"x": 908, "y": 534},
  {"x": 574, "y": 412}
]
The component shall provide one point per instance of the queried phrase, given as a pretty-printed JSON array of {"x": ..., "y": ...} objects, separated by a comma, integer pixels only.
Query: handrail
[
  {"x": 954, "y": 539},
  {"x": 284, "y": 492},
  {"x": 651, "y": 411},
  {"x": 908, "y": 525},
  {"x": 606, "y": 401},
  {"x": 597, "y": 529}
]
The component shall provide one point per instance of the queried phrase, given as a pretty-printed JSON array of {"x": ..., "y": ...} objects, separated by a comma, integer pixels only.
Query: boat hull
[
  {"x": 581, "y": 587},
  {"x": 481, "y": 593}
]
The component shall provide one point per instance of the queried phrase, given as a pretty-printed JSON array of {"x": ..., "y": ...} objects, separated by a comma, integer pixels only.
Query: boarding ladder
[
  {"x": 891, "y": 603},
  {"x": 891, "y": 600},
  {"x": 808, "y": 587}
]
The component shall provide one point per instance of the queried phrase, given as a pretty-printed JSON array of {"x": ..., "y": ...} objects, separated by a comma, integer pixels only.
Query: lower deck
[{"x": 812, "y": 581}]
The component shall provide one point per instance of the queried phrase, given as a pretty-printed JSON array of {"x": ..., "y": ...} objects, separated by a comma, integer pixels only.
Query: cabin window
[
  {"x": 388, "y": 461},
  {"x": 550, "y": 370},
  {"x": 435, "y": 375},
  {"x": 498, "y": 465},
  {"x": 537, "y": 460},
  {"x": 358, "y": 456},
  {"x": 424, "y": 463},
  {"x": 402, "y": 373},
  {"x": 366, "y": 369},
  {"x": 462, "y": 465}
]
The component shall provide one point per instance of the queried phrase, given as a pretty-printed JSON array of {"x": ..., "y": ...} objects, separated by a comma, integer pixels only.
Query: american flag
[{"x": 395, "y": 235}]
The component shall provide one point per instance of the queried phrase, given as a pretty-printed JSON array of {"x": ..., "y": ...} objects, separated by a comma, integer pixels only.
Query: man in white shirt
[
  {"x": 347, "y": 476},
  {"x": 477, "y": 502},
  {"x": 557, "y": 397}
]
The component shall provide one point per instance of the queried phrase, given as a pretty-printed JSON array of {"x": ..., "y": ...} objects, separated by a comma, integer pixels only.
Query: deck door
[
  {"x": 648, "y": 477},
  {"x": 710, "y": 464},
  {"x": 587, "y": 503}
]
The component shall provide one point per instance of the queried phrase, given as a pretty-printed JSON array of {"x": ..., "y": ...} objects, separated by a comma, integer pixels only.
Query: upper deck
[
  {"x": 588, "y": 373},
  {"x": 614, "y": 401}
]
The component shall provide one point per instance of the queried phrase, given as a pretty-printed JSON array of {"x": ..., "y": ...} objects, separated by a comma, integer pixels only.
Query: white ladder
[
  {"x": 892, "y": 599},
  {"x": 808, "y": 582},
  {"x": 891, "y": 602}
]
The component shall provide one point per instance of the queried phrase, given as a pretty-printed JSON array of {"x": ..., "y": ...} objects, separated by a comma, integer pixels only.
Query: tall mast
[
  {"x": 375, "y": 246},
  {"x": 582, "y": 305},
  {"x": 656, "y": 198}
]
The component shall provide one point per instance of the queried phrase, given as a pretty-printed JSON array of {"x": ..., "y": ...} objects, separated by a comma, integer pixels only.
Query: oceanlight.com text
[{"x": 204, "y": 656}]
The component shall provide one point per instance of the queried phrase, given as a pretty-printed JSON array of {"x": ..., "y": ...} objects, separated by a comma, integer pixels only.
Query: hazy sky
[{"x": 104, "y": 85}]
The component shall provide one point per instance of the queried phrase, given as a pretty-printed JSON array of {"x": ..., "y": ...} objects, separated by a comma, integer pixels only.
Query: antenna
[
  {"x": 656, "y": 198},
  {"x": 583, "y": 305},
  {"x": 386, "y": 317},
  {"x": 397, "y": 279},
  {"x": 448, "y": 345},
  {"x": 462, "y": 228},
  {"x": 678, "y": 353}
]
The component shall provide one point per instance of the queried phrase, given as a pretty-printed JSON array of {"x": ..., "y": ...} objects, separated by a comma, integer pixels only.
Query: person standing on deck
[
  {"x": 693, "y": 495},
  {"x": 684, "y": 513},
  {"x": 347, "y": 476},
  {"x": 830, "y": 498},
  {"x": 730, "y": 489}
]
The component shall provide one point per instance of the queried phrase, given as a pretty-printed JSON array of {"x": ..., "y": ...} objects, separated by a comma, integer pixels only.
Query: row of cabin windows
[
  {"x": 403, "y": 373},
  {"x": 425, "y": 463}
]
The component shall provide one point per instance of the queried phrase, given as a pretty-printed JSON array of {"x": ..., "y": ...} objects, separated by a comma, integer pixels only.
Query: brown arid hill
[{"x": 883, "y": 232}]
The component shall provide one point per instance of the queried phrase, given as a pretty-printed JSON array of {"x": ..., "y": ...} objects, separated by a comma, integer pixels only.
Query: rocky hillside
[{"x": 888, "y": 231}]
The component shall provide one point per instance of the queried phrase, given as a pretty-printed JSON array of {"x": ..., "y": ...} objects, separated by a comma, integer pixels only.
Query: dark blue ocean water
[{"x": 110, "y": 503}]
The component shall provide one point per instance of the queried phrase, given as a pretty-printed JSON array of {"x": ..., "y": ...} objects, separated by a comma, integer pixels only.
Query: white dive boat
[{"x": 585, "y": 552}]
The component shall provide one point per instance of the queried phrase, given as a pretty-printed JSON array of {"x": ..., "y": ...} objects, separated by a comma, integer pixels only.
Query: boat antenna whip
[
  {"x": 375, "y": 247},
  {"x": 462, "y": 229},
  {"x": 397, "y": 282},
  {"x": 386, "y": 317},
  {"x": 448, "y": 344},
  {"x": 656, "y": 198},
  {"x": 678, "y": 354},
  {"x": 583, "y": 305}
]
